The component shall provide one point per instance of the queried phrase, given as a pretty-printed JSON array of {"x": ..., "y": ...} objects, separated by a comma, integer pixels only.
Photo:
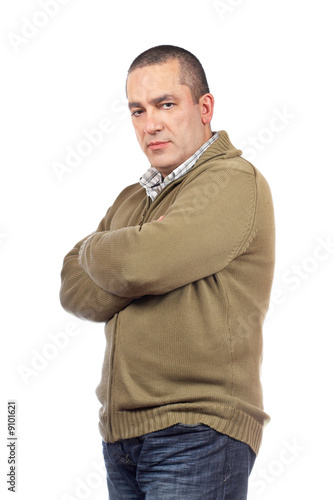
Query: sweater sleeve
[
  {"x": 206, "y": 226},
  {"x": 80, "y": 295}
]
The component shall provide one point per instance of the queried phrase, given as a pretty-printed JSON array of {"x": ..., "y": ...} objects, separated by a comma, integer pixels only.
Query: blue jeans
[{"x": 181, "y": 462}]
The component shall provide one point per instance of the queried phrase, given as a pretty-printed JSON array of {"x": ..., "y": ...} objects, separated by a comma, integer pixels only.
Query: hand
[{"x": 161, "y": 218}]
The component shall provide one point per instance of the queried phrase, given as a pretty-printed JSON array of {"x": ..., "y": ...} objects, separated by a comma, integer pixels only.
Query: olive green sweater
[{"x": 183, "y": 299}]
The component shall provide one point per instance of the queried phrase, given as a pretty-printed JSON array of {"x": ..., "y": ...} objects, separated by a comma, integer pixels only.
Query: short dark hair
[{"x": 192, "y": 73}]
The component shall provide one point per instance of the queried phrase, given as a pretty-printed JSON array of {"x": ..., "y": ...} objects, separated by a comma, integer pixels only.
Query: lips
[{"x": 157, "y": 145}]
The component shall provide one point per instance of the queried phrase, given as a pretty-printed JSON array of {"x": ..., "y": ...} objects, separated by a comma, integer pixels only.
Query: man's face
[{"x": 167, "y": 123}]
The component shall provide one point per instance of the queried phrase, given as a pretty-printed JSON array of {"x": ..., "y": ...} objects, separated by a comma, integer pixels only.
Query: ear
[{"x": 206, "y": 103}]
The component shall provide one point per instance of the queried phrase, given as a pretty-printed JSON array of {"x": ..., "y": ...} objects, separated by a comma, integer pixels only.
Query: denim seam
[
  {"x": 227, "y": 462},
  {"x": 138, "y": 491}
]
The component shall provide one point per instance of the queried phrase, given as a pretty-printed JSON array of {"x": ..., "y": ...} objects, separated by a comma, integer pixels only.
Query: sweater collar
[
  {"x": 219, "y": 145},
  {"x": 222, "y": 148}
]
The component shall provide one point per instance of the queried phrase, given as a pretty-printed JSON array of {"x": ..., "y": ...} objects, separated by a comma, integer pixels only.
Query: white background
[{"x": 263, "y": 59}]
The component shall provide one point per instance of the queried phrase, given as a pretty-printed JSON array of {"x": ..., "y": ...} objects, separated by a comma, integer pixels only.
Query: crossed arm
[
  {"x": 197, "y": 237},
  {"x": 80, "y": 295}
]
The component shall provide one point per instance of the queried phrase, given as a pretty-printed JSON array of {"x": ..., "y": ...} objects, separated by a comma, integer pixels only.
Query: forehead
[{"x": 155, "y": 79}]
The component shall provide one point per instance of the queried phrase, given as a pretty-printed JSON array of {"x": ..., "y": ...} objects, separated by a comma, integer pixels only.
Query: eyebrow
[{"x": 157, "y": 100}]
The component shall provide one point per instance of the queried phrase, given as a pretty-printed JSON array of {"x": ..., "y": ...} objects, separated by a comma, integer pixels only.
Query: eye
[
  {"x": 136, "y": 113},
  {"x": 167, "y": 105}
]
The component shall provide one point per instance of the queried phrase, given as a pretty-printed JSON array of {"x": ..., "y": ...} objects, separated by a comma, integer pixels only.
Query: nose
[{"x": 153, "y": 124}]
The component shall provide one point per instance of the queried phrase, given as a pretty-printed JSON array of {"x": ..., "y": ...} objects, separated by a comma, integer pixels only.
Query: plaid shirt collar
[{"x": 152, "y": 180}]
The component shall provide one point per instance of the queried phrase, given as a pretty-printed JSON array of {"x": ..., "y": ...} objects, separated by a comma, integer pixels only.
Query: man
[{"x": 180, "y": 269}]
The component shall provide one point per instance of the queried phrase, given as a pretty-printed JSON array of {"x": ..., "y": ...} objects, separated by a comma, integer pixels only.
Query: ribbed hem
[{"x": 234, "y": 423}]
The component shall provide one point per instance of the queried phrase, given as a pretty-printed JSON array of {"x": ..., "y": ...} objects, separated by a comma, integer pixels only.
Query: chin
[{"x": 159, "y": 162}]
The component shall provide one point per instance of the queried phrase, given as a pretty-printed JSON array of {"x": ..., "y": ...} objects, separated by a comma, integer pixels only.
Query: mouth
[{"x": 157, "y": 145}]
